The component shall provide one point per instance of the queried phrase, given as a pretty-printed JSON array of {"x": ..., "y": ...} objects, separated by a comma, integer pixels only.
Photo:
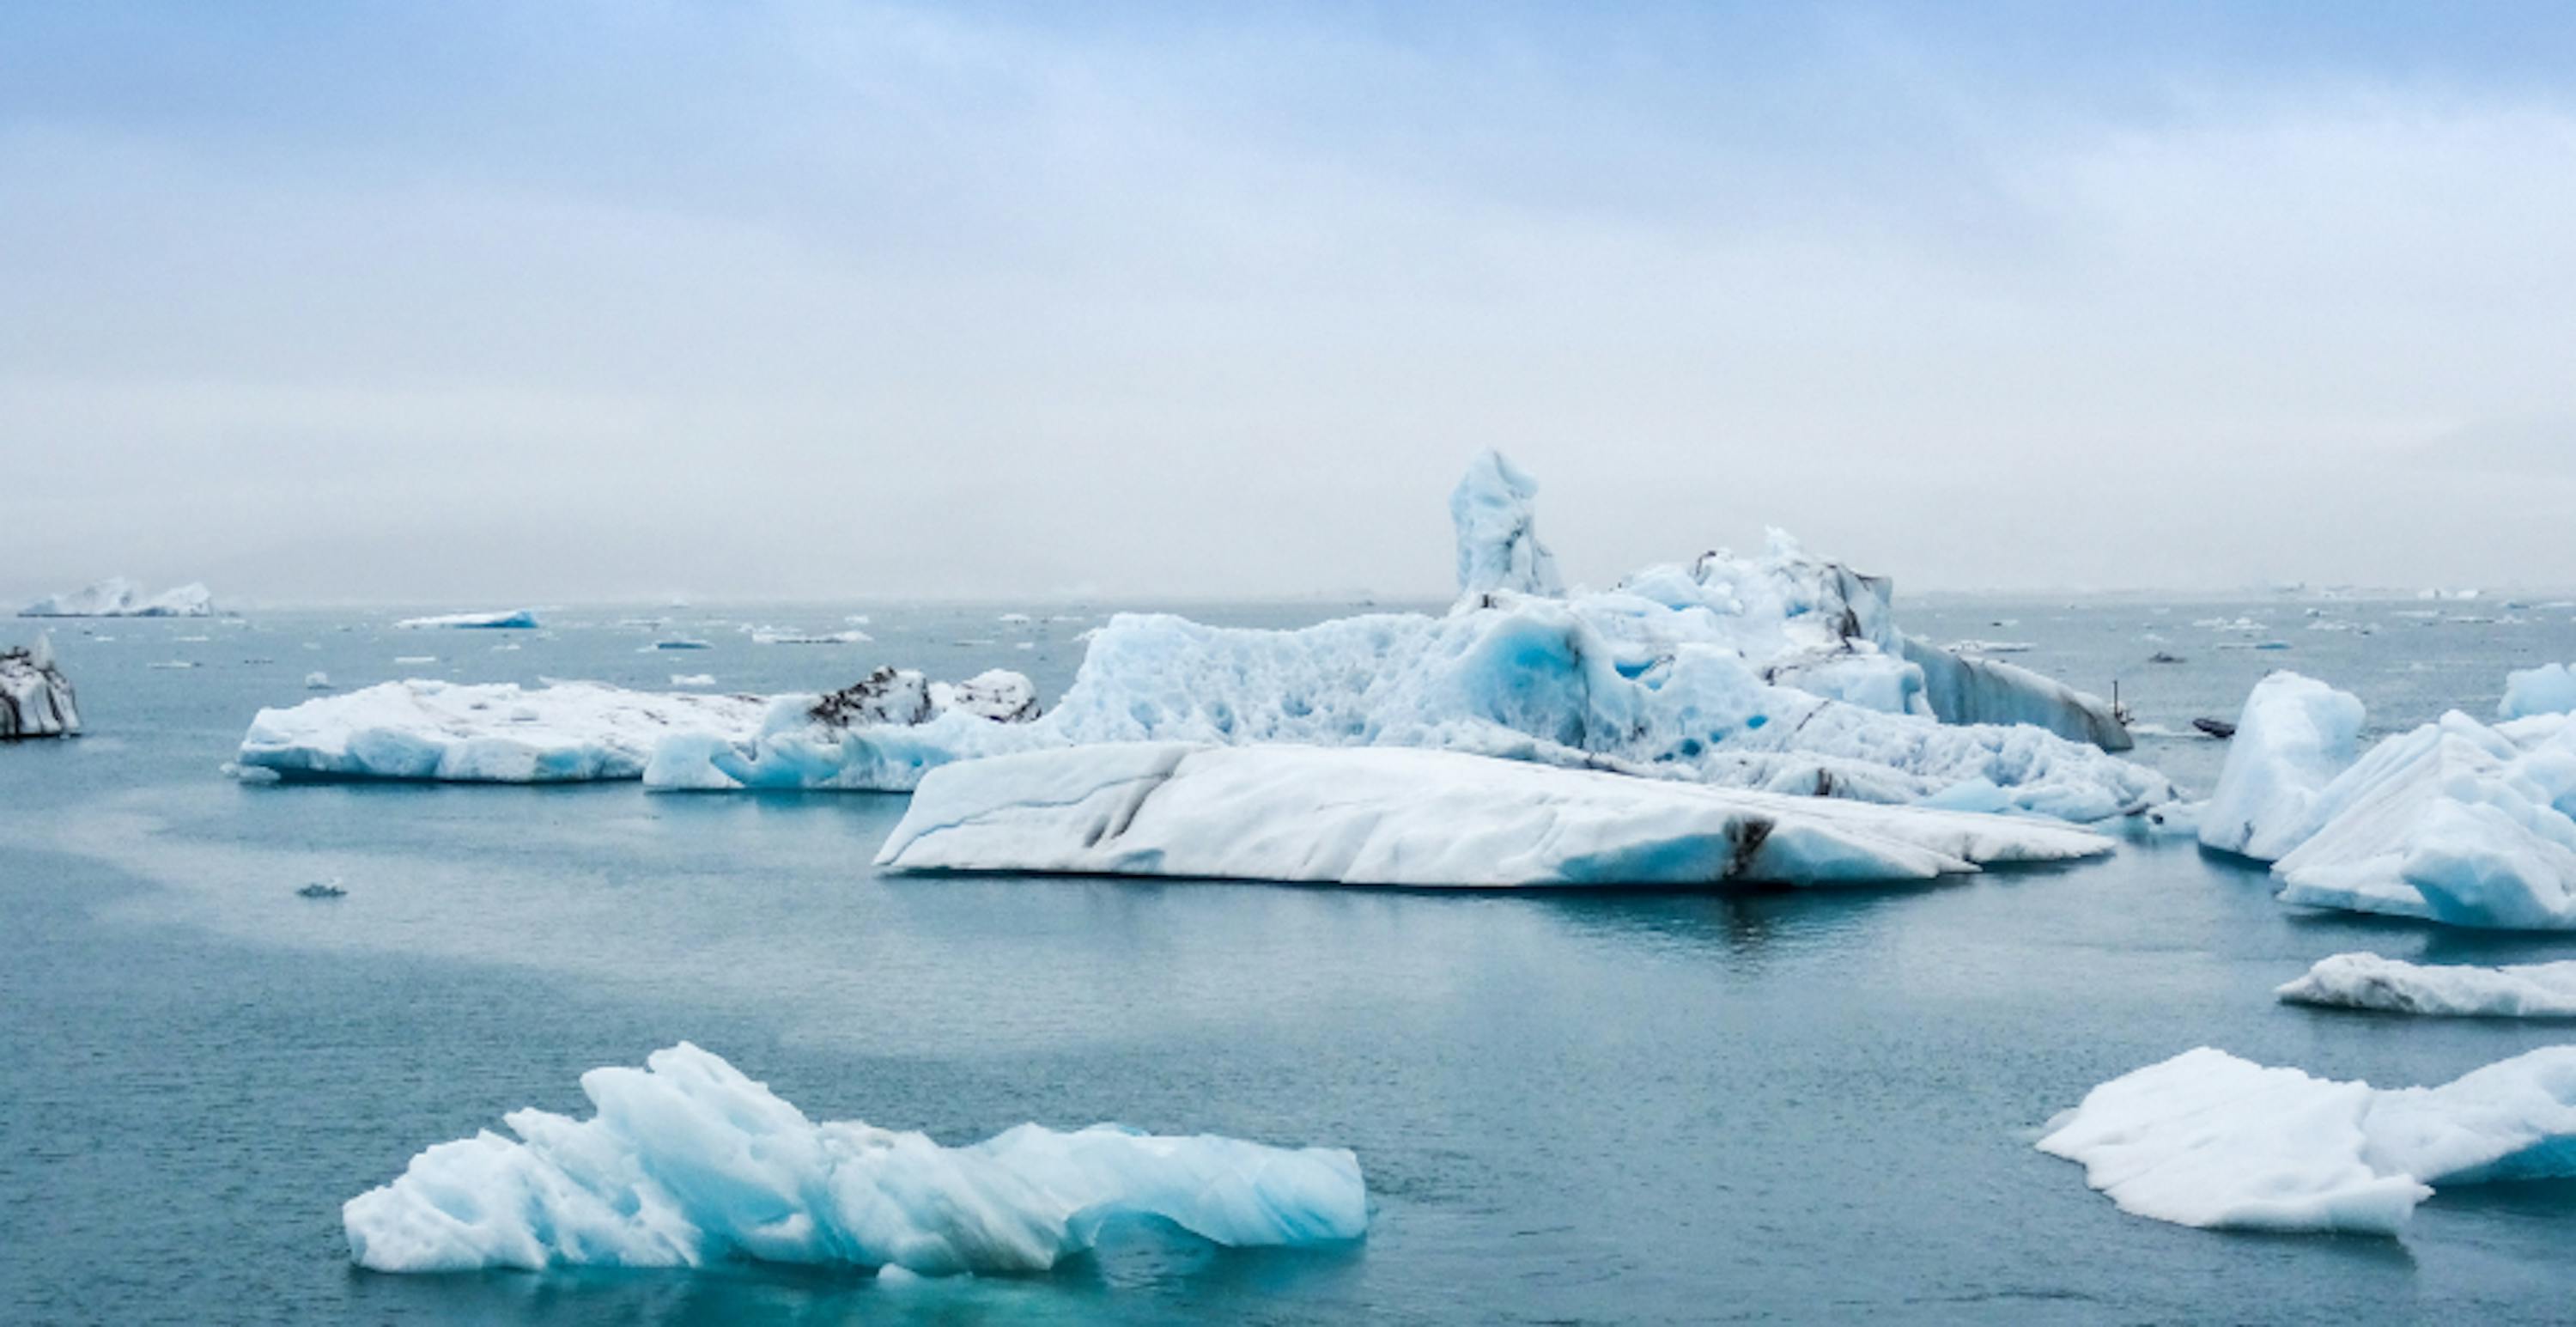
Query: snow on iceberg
[
  {"x": 2368, "y": 981},
  {"x": 517, "y": 619},
  {"x": 2207, "y": 1139},
  {"x": 35, "y": 698},
  {"x": 1498, "y": 547},
  {"x": 687, "y": 1162},
  {"x": 2548, "y": 689},
  {"x": 494, "y": 733},
  {"x": 2294, "y": 736},
  {"x": 119, "y": 597},
  {"x": 1393, "y": 816},
  {"x": 425, "y": 729}
]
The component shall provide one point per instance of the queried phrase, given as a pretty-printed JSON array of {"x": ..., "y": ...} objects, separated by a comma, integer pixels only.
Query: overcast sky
[{"x": 520, "y": 302}]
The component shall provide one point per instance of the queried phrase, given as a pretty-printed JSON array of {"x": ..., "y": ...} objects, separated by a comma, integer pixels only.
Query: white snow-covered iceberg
[
  {"x": 515, "y": 619},
  {"x": 2368, "y": 981},
  {"x": 2294, "y": 736},
  {"x": 687, "y": 1162},
  {"x": 1396, "y": 816},
  {"x": 424, "y": 729},
  {"x": 2207, "y": 1139},
  {"x": 119, "y": 597},
  {"x": 2548, "y": 689},
  {"x": 2456, "y": 821},
  {"x": 35, "y": 698},
  {"x": 490, "y": 733}
]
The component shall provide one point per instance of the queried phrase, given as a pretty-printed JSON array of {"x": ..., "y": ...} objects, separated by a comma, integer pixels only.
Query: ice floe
[
  {"x": 119, "y": 597},
  {"x": 2208, "y": 1139},
  {"x": 518, "y": 619},
  {"x": 2455, "y": 821},
  {"x": 2368, "y": 981},
  {"x": 686, "y": 1162},
  {"x": 1394, "y": 816},
  {"x": 491, "y": 733},
  {"x": 36, "y": 700}
]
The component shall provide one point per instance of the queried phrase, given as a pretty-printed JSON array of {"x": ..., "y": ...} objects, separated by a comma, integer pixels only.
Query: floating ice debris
[
  {"x": 687, "y": 1162},
  {"x": 693, "y": 679},
  {"x": 521, "y": 619},
  {"x": 1392, "y": 816},
  {"x": 2368, "y": 981},
  {"x": 119, "y": 597},
  {"x": 36, "y": 699},
  {"x": 190, "y": 640},
  {"x": 415, "y": 658},
  {"x": 321, "y": 890},
  {"x": 2548, "y": 689},
  {"x": 1990, "y": 647},
  {"x": 2207, "y": 1139},
  {"x": 1014, "y": 619},
  {"x": 2456, "y": 821},
  {"x": 771, "y": 637},
  {"x": 173, "y": 664},
  {"x": 317, "y": 680},
  {"x": 876, "y": 733},
  {"x": 683, "y": 643},
  {"x": 2161, "y": 657}
]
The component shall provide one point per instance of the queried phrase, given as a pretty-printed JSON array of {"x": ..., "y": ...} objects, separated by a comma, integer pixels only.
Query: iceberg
[
  {"x": 1410, "y": 817},
  {"x": 426, "y": 729},
  {"x": 1498, "y": 546},
  {"x": 2208, "y": 1139},
  {"x": 491, "y": 733},
  {"x": 119, "y": 597},
  {"x": 1962, "y": 689},
  {"x": 2294, "y": 735},
  {"x": 35, "y": 698},
  {"x": 2368, "y": 981},
  {"x": 2456, "y": 821},
  {"x": 880, "y": 732},
  {"x": 2548, "y": 689},
  {"x": 519, "y": 619},
  {"x": 686, "y": 1162}
]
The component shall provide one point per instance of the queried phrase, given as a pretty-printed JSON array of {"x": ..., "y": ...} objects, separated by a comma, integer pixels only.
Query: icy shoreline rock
[
  {"x": 119, "y": 597},
  {"x": 1398, "y": 816},
  {"x": 2368, "y": 981},
  {"x": 687, "y": 1162},
  {"x": 2207, "y": 1139},
  {"x": 36, "y": 700}
]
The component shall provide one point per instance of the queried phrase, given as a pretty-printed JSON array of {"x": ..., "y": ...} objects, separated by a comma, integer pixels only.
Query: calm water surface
[{"x": 1570, "y": 1107}]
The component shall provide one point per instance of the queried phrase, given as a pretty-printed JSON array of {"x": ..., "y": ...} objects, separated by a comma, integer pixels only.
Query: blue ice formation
[
  {"x": 687, "y": 1162},
  {"x": 1498, "y": 546},
  {"x": 2548, "y": 689}
]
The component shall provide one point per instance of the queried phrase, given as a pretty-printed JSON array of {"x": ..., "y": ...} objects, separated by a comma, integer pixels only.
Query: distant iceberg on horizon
[
  {"x": 515, "y": 619},
  {"x": 119, "y": 597}
]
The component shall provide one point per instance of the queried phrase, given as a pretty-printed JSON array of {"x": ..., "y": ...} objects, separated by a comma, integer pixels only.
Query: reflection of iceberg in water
[{"x": 687, "y": 1162}]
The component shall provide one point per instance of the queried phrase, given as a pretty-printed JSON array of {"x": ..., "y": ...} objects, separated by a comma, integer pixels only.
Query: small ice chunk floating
[
  {"x": 686, "y": 1162},
  {"x": 2455, "y": 990},
  {"x": 2208, "y": 1139}
]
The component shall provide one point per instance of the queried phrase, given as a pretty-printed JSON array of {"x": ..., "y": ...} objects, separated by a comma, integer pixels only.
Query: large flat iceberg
[
  {"x": 687, "y": 1162},
  {"x": 119, "y": 597},
  {"x": 35, "y": 698},
  {"x": 2207, "y": 1139},
  {"x": 424, "y": 729},
  {"x": 2456, "y": 821},
  {"x": 1393, "y": 816},
  {"x": 2368, "y": 981}
]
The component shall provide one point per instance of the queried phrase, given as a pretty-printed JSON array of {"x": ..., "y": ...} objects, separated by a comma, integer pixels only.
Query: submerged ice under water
[{"x": 1568, "y": 1106}]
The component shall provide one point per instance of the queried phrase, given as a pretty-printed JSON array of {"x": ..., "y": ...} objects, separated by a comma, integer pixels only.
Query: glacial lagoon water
[{"x": 1570, "y": 1106}]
